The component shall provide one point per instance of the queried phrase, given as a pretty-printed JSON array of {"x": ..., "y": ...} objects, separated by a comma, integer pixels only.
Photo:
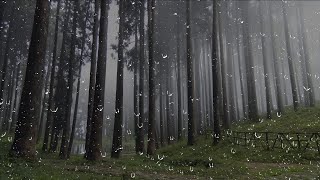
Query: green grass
[
  {"x": 179, "y": 161},
  {"x": 304, "y": 120}
]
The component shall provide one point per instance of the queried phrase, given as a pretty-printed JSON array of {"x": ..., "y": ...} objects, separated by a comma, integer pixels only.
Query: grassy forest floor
[{"x": 202, "y": 161}]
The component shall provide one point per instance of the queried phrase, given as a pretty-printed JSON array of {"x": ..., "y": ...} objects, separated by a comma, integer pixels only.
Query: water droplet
[
  {"x": 133, "y": 175},
  {"x": 233, "y": 151},
  {"x": 4, "y": 134}
]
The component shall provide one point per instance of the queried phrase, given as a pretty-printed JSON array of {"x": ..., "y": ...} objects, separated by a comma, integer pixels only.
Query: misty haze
[{"x": 159, "y": 89}]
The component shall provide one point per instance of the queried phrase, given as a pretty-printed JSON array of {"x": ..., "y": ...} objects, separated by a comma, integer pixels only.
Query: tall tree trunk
[
  {"x": 117, "y": 130},
  {"x": 276, "y": 65},
  {"x": 191, "y": 123},
  {"x": 52, "y": 83},
  {"x": 152, "y": 122},
  {"x": 168, "y": 113},
  {"x": 24, "y": 144},
  {"x": 302, "y": 65},
  {"x": 310, "y": 88},
  {"x": 251, "y": 87},
  {"x": 241, "y": 72},
  {"x": 136, "y": 90},
  {"x": 265, "y": 64},
  {"x": 290, "y": 60},
  {"x": 66, "y": 129},
  {"x": 226, "y": 117},
  {"x": 140, "y": 135},
  {"x": 179, "y": 80},
  {"x": 95, "y": 142},
  {"x": 93, "y": 71}
]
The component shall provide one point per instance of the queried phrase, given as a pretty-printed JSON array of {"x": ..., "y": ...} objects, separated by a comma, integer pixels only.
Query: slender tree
[
  {"x": 179, "y": 77},
  {"x": 140, "y": 128},
  {"x": 215, "y": 75},
  {"x": 290, "y": 59},
  {"x": 191, "y": 123},
  {"x": 265, "y": 64},
  {"x": 151, "y": 122},
  {"x": 309, "y": 88},
  {"x": 251, "y": 87},
  {"x": 280, "y": 109},
  {"x": 93, "y": 71},
  {"x": 117, "y": 130}
]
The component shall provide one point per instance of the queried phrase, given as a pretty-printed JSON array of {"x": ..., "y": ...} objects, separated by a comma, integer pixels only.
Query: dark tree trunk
[
  {"x": 191, "y": 123},
  {"x": 290, "y": 60},
  {"x": 215, "y": 76},
  {"x": 161, "y": 118},
  {"x": 95, "y": 142},
  {"x": 52, "y": 83},
  {"x": 117, "y": 130},
  {"x": 179, "y": 80},
  {"x": 93, "y": 71},
  {"x": 152, "y": 122},
  {"x": 140, "y": 135},
  {"x": 24, "y": 144},
  {"x": 168, "y": 113}
]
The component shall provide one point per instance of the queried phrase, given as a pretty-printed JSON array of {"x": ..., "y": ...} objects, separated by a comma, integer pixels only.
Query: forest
[{"x": 159, "y": 89}]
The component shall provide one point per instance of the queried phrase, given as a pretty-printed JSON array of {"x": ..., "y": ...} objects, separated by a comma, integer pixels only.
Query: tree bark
[
  {"x": 93, "y": 71},
  {"x": 118, "y": 119},
  {"x": 24, "y": 144},
  {"x": 140, "y": 135},
  {"x": 191, "y": 123},
  {"x": 152, "y": 122},
  {"x": 95, "y": 142},
  {"x": 179, "y": 80}
]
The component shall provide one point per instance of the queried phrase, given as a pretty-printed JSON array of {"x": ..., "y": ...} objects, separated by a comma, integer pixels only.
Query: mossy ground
[{"x": 179, "y": 161}]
